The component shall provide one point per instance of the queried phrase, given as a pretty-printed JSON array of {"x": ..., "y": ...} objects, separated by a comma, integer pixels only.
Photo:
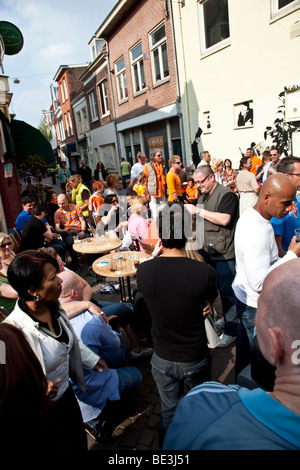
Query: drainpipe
[{"x": 177, "y": 87}]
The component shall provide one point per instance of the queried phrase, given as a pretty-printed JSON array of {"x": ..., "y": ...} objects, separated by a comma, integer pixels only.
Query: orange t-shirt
[
  {"x": 256, "y": 161},
  {"x": 192, "y": 192},
  {"x": 139, "y": 189},
  {"x": 174, "y": 185},
  {"x": 160, "y": 178}
]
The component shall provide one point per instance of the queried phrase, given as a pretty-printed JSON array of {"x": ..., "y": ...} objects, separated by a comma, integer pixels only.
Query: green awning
[{"x": 30, "y": 141}]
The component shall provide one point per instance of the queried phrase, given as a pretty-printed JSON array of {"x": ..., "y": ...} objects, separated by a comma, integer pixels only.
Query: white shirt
[
  {"x": 256, "y": 255},
  {"x": 136, "y": 170}
]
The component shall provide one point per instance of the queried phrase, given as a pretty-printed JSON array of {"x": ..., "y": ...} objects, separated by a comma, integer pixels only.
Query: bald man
[
  {"x": 256, "y": 254},
  {"x": 211, "y": 413},
  {"x": 114, "y": 381}
]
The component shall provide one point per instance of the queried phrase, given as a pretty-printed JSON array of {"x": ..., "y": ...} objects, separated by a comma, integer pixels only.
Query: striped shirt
[{"x": 69, "y": 219}]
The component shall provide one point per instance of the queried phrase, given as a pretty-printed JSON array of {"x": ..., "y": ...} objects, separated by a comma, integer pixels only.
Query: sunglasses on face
[{"x": 5, "y": 244}]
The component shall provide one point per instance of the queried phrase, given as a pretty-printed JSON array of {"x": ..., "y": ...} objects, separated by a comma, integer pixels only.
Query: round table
[
  {"x": 120, "y": 265},
  {"x": 96, "y": 245}
]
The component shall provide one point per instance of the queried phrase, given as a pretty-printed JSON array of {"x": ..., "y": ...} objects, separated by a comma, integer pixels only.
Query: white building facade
[{"x": 234, "y": 59}]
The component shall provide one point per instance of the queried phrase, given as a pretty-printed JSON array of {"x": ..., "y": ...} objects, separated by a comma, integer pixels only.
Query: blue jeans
[
  {"x": 123, "y": 311},
  {"x": 170, "y": 378},
  {"x": 130, "y": 379},
  {"x": 225, "y": 276},
  {"x": 245, "y": 334}
]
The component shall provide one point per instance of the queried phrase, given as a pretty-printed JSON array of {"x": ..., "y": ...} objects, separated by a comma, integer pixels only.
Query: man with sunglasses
[
  {"x": 173, "y": 180},
  {"x": 284, "y": 229},
  {"x": 271, "y": 167},
  {"x": 218, "y": 206}
]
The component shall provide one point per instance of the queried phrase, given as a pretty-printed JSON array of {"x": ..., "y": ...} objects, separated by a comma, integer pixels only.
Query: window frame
[
  {"x": 204, "y": 50},
  {"x": 65, "y": 88},
  {"x": 93, "y": 106},
  {"x": 137, "y": 62},
  {"x": 103, "y": 98},
  {"x": 67, "y": 124},
  {"x": 276, "y": 12},
  {"x": 70, "y": 123},
  {"x": 158, "y": 47},
  {"x": 122, "y": 87}
]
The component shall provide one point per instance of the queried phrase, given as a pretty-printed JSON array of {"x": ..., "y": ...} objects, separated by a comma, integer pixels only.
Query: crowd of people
[{"x": 218, "y": 232}]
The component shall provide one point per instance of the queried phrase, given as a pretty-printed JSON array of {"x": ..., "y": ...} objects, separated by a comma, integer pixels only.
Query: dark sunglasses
[{"x": 5, "y": 244}]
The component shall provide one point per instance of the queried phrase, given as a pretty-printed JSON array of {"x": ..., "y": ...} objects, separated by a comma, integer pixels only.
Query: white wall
[{"x": 259, "y": 62}]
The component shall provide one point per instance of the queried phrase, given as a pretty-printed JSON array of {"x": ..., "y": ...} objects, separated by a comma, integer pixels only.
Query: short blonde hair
[
  {"x": 3, "y": 236},
  {"x": 137, "y": 204},
  {"x": 216, "y": 164}
]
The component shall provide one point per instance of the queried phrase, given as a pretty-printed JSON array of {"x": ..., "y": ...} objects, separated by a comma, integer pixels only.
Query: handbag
[{"x": 213, "y": 339}]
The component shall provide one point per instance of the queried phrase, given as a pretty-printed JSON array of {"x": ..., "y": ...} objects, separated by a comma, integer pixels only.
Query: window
[
  {"x": 93, "y": 106},
  {"x": 62, "y": 130},
  {"x": 96, "y": 47},
  {"x": 67, "y": 125},
  {"x": 137, "y": 65},
  {"x": 84, "y": 120},
  {"x": 214, "y": 23},
  {"x": 65, "y": 89},
  {"x": 79, "y": 122},
  {"x": 70, "y": 123},
  {"x": 121, "y": 80},
  {"x": 279, "y": 7},
  {"x": 159, "y": 54},
  {"x": 104, "y": 98},
  {"x": 62, "y": 92}
]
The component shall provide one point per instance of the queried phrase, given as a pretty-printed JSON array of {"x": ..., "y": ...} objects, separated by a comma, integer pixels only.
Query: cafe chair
[{"x": 138, "y": 243}]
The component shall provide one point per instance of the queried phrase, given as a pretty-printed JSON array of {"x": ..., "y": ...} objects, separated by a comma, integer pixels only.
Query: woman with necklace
[
  {"x": 229, "y": 175},
  {"x": 34, "y": 276}
]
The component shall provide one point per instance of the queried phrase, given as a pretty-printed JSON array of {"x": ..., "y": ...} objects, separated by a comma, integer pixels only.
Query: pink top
[{"x": 138, "y": 227}]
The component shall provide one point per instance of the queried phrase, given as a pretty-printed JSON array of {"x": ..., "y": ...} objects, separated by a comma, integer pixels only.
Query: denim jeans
[
  {"x": 225, "y": 276},
  {"x": 170, "y": 378},
  {"x": 123, "y": 310},
  {"x": 245, "y": 334},
  {"x": 130, "y": 379}
]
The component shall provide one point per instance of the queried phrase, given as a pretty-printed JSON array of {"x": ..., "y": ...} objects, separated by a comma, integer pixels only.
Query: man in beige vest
[{"x": 155, "y": 183}]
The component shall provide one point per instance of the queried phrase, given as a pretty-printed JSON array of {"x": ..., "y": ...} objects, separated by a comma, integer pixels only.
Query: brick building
[
  {"x": 142, "y": 78},
  {"x": 69, "y": 87}
]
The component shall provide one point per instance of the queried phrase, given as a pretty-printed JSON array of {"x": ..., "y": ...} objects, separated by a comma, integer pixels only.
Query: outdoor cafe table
[
  {"x": 96, "y": 245},
  {"x": 120, "y": 265}
]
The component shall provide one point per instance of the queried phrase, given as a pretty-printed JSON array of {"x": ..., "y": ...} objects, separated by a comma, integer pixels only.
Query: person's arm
[
  {"x": 73, "y": 309},
  {"x": 58, "y": 228},
  {"x": 217, "y": 218},
  {"x": 83, "y": 223},
  {"x": 281, "y": 251},
  {"x": 107, "y": 218},
  {"x": 7, "y": 291}
]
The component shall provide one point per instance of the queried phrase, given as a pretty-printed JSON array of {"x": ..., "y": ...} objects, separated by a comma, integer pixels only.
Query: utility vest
[
  {"x": 152, "y": 181},
  {"x": 77, "y": 197},
  {"x": 218, "y": 240}
]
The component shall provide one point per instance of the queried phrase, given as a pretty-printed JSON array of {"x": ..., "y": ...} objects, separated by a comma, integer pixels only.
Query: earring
[{"x": 37, "y": 298}]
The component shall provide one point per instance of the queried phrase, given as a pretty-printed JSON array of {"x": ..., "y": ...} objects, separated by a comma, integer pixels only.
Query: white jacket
[{"x": 79, "y": 353}]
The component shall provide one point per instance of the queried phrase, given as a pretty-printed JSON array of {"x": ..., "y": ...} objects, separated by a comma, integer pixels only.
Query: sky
[{"x": 55, "y": 32}]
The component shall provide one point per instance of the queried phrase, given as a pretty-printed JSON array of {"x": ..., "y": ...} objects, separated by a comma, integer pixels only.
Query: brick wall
[{"x": 135, "y": 27}]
